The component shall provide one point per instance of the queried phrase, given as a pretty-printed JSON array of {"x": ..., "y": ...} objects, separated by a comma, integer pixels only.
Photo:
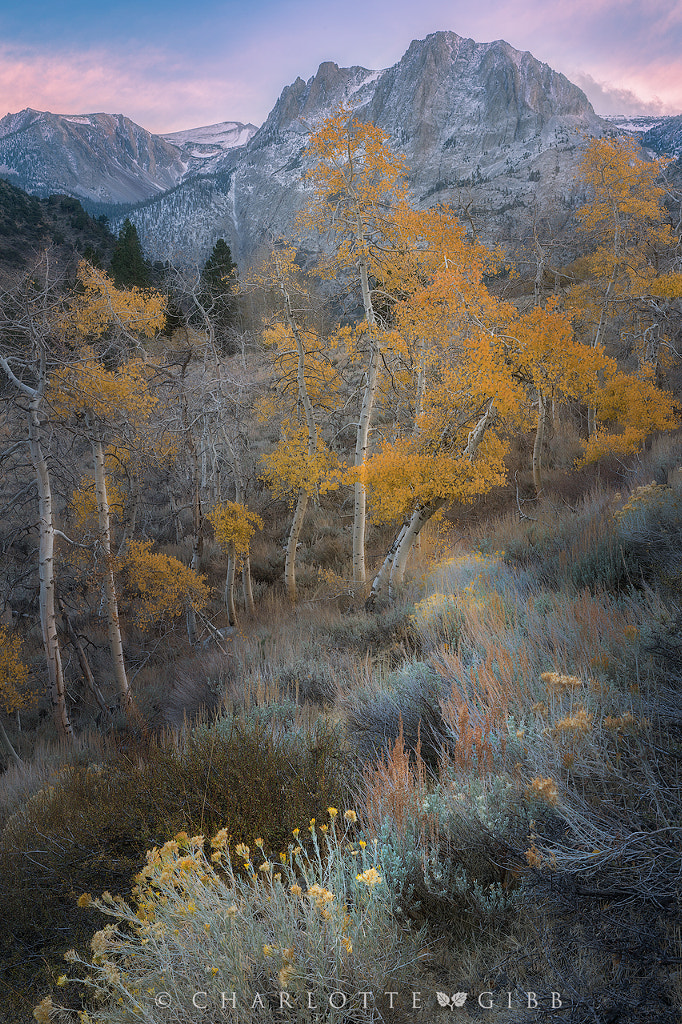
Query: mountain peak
[{"x": 477, "y": 121}]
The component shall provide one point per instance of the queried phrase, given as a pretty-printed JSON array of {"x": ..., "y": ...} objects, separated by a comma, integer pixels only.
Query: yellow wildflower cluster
[
  {"x": 370, "y": 877},
  {"x": 288, "y": 970},
  {"x": 220, "y": 839},
  {"x": 643, "y": 498},
  {"x": 321, "y": 897},
  {"x": 43, "y": 1010}
]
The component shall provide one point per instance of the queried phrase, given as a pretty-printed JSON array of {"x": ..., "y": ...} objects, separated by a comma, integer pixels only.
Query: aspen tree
[
  {"x": 30, "y": 319},
  {"x": 102, "y": 397},
  {"x": 234, "y": 525},
  {"x": 632, "y": 266},
  {"x": 305, "y": 385},
  {"x": 357, "y": 181}
]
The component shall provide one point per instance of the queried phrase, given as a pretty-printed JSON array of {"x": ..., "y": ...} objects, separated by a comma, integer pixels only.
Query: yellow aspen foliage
[
  {"x": 234, "y": 524},
  {"x": 13, "y": 674},
  {"x": 290, "y": 468},
  {"x": 88, "y": 387},
  {"x": 406, "y": 472},
  {"x": 295, "y": 356},
  {"x": 158, "y": 587},
  {"x": 625, "y": 194},
  {"x": 629, "y": 407},
  {"x": 355, "y": 180},
  {"x": 84, "y": 502},
  {"x": 633, "y": 256},
  {"x": 98, "y": 304},
  {"x": 667, "y": 286},
  {"x": 545, "y": 354}
]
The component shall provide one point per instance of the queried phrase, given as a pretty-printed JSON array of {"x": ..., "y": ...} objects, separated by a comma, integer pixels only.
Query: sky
[{"x": 174, "y": 64}]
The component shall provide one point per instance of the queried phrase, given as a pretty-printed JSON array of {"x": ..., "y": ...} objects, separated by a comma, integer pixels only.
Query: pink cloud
[{"x": 150, "y": 88}]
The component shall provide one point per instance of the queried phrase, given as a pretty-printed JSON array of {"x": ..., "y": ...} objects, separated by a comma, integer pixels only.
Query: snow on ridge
[
  {"x": 372, "y": 76},
  {"x": 224, "y": 135},
  {"x": 633, "y": 122}
]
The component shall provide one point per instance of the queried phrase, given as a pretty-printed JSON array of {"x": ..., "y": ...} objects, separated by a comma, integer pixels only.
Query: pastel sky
[{"x": 173, "y": 64}]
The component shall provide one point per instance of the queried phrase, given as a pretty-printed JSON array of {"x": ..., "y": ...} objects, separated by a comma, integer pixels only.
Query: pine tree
[
  {"x": 217, "y": 298},
  {"x": 128, "y": 265}
]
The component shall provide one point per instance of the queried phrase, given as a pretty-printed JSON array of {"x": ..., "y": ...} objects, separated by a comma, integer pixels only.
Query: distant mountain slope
[
  {"x": 107, "y": 158},
  {"x": 207, "y": 147},
  {"x": 483, "y": 126},
  {"x": 665, "y": 137},
  {"x": 29, "y": 225}
]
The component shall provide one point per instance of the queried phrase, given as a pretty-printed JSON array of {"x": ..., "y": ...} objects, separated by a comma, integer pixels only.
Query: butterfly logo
[{"x": 458, "y": 999}]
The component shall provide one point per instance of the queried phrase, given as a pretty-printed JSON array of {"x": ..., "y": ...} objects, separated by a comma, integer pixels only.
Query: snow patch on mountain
[{"x": 225, "y": 135}]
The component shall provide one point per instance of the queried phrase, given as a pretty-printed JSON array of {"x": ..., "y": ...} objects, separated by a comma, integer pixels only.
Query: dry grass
[{"x": 519, "y": 727}]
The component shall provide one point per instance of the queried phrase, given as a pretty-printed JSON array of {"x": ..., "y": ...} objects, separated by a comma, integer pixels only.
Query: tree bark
[
  {"x": 539, "y": 441},
  {"x": 114, "y": 626},
  {"x": 229, "y": 585},
  {"x": 10, "y": 749},
  {"x": 292, "y": 544},
  {"x": 364, "y": 423},
  {"x": 311, "y": 426},
  {"x": 247, "y": 589},
  {"x": 83, "y": 661},
  {"x": 48, "y": 617},
  {"x": 46, "y": 571},
  {"x": 392, "y": 571}
]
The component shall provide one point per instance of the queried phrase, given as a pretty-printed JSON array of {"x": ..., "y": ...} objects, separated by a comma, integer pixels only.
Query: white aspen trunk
[
  {"x": 229, "y": 585},
  {"x": 392, "y": 571},
  {"x": 83, "y": 661},
  {"x": 382, "y": 578},
  {"x": 302, "y": 501},
  {"x": 652, "y": 349},
  {"x": 46, "y": 571},
  {"x": 247, "y": 589},
  {"x": 591, "y": 408},
  {"x": 362, "y": 436},
  {"x": 114, "y": 625},
  {"x": 48, "y": 617},
  {"x": 539, "y": 441},
  {"x": 191, "y": 616},
  {"x": 418, "y": 406},
  {"x": 131, "y": 518},
  {"x": 8, "y": 743},
  {"x": 292, "y": 544},
  {"x": 417, "y": 522},
  {"x": 197, "y": 481}
]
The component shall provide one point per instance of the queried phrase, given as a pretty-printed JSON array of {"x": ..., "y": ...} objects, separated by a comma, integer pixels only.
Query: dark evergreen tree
[
  {"x": 128, "y": 265},
  {"x": 218, "y": 279}
]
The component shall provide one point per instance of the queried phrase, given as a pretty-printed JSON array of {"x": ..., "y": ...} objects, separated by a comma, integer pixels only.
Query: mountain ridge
[{"x": 482, "y": 125}]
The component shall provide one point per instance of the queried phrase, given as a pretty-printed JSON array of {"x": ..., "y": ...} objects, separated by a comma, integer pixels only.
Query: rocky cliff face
[{"x": 483, "y": 127}]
